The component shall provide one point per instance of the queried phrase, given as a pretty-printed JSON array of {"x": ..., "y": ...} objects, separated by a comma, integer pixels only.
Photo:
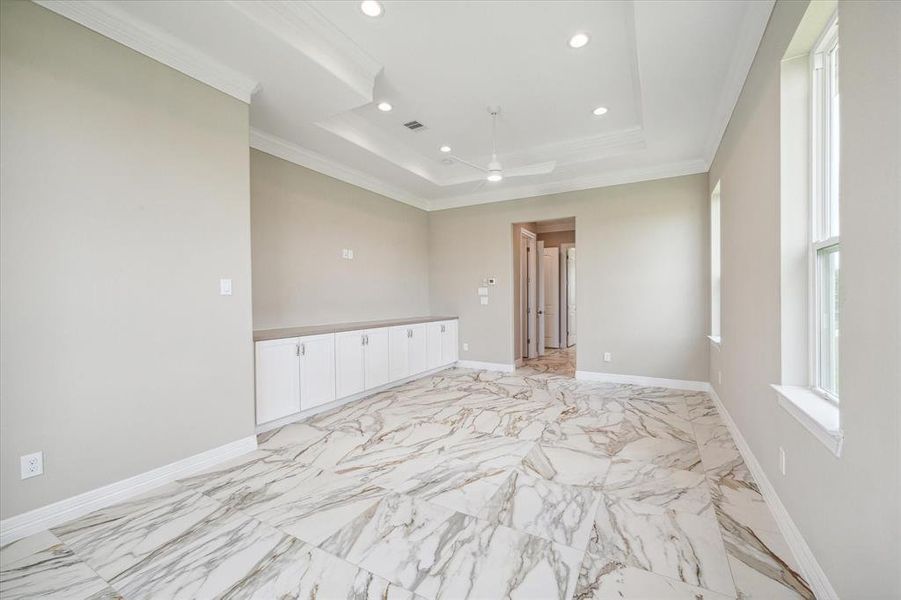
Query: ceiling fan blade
[
  {"x": 468, "y": 164},
  {"x": 533, "y": 169}
]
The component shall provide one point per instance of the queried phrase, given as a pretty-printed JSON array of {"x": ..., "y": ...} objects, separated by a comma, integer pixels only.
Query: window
[
  {"x": 824, "y": 239},
  {"x": 715, "y": 271}
]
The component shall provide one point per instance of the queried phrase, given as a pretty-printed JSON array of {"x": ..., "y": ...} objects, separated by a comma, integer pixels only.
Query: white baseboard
[
  {"x": 486, "y": 366},
  {"x": 676, "y": 384},
  {"x": 45, "y": 517},
  {"x": 306, "y": 414},
  {"x": 807, "y": 562}
]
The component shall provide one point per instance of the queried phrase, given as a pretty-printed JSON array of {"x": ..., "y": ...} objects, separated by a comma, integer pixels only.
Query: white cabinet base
[{"x": 306, "y": 414}]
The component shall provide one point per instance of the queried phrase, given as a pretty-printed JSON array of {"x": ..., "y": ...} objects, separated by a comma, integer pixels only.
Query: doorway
[{"x": 544, "y": 290}]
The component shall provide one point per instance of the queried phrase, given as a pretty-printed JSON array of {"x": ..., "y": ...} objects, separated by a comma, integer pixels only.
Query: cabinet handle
[
  {"x": 362, "y": 340},
  {"x": 303, "y": 350},
  {"x": 409, "y": 333},
  {"x": 296, "y": 349},
  {"x": 442, "y": 329}
]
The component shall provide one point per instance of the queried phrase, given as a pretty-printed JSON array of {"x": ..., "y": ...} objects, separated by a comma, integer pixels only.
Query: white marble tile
[
  {"x": 674, "y": 544},
  {"x": 439, "y": 553},
  {"x": 307, "y": 445},
  {"x": 41, "y": 566},
  {"x": 567, "y": 466},
  {"x": 114, "y": 540},
  {"x": 685, "y": 491},
  {"x": 754, "y": 584},
  {"x": 556, "y": 512},
  {"x": 306, "y": 502},
  {"x": 461, "y": 486},
  {"x": 599, "y": 582}
]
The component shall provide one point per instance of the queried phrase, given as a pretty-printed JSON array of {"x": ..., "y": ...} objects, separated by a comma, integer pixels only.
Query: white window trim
[
  {"x": 816, "y": 414},
  {"x": 818, "y": 185}
]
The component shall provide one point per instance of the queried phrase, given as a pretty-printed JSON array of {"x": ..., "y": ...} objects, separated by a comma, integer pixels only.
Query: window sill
[
  {"x": 715, "y": 340},
  {"x": 818, "y": 416}
]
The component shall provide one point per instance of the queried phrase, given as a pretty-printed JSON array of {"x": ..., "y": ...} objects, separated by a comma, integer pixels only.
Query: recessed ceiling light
[
  {"x": 384, "y": 106},
  {"x": 371, "y": 8},
  {"x": 578, "y": 40},
  {"x": 599, "y": 111},
  {"x": 445, "y": 148}
]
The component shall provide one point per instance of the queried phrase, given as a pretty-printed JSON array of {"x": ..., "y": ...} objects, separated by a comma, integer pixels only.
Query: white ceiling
[{"x": 668, "y": 71}]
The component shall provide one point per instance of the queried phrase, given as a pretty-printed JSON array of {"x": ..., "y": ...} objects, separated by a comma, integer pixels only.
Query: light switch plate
[
  {"x": 484, "y": 299},
  {"x": 483, "y": 291},
  {"x": 225, "y": 287},
  {"x": 607, "y": 357},
  {"x": 465, "y": 347}
]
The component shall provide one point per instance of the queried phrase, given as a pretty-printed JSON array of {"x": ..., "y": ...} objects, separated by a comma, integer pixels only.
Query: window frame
[{"x": 823, "y": 211}]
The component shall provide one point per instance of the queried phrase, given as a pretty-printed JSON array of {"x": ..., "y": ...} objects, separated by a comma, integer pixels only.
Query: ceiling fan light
[
  {"x": 495, "y": 176},
  {"x": 371, "y": 8},
  {"x": 578, "y": 40}
]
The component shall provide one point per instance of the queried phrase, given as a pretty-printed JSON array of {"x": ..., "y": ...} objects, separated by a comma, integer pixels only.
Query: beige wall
[
  {"x": 642, "y": 273},
  {"x": 301, "y": 222},
  {"x": 847, "y": 508},
  {"x": 553, "y": 239},
  {"x": 124, "y": 198}
]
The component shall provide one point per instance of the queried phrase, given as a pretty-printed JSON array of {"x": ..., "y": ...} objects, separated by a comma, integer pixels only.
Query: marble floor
[{"x": 463, "y": 484}]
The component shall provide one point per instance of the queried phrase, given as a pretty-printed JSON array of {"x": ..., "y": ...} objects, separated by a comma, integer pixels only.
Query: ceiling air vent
[{"x": 414, "y": 125}]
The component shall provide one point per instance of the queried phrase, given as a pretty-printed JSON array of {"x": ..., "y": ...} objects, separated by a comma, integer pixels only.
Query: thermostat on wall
[{"x": 492, "y": 281}]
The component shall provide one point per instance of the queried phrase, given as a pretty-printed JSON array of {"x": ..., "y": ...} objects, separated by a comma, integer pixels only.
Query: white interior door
[
  {"x": 532, "y": 298},
  {"x": 570, "y": 296},
  {"x": 376, "y": 361},
  {"x": 552, "y": 297},
  {"x": 540, "y": 303},
  {"x": 317, "y": 370},
  {"x": 348, "y": 363}
]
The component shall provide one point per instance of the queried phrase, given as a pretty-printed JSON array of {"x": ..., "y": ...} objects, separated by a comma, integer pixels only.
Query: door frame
[
  {"x": 528, "y": 242},
  {"x": 564, "y": 295},
  {"x": 538, "y": 258}
]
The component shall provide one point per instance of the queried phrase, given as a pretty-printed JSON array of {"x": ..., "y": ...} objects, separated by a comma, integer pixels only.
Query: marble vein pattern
[{"x": 461, "y": 484}]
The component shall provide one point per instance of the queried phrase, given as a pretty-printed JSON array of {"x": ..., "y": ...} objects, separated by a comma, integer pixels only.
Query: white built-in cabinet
[
  {"x": 300, "y": 373},
  {"x": 294, "y": 374}
]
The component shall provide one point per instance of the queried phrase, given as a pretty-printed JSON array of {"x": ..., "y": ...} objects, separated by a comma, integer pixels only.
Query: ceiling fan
[{"x": 494, "y": 172}]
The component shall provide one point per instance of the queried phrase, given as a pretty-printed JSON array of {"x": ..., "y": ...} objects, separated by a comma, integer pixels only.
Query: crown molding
[
  {"x": 757, "y": 13},
  {"x": 299, "y": 155},
  {"x": 302, "y": 27},
  {"x": 676, "y": 169},
  {"x": 108, "y": 20}
]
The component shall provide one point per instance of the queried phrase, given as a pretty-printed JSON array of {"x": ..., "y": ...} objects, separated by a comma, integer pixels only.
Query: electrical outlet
[
  {"x": 607, "y": 357},
  {"x": 32, "y": 465},
  {"x": 465, "y": 347},
  {"x": 781, "y": 460}
]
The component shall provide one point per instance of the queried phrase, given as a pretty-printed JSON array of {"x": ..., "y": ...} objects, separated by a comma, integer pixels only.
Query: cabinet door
[
  {"x": 449, "y": 343},
  {"x": 317, "y": 370},
  {"x": 277, "y": 379},
  {"x": 433, "y": 351},
  {"x": 376, "y": 360},
  {"x": 418, "y": 349},
  {"x": 348, "y": 363},
  {"x": 398, "y": 352}
]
